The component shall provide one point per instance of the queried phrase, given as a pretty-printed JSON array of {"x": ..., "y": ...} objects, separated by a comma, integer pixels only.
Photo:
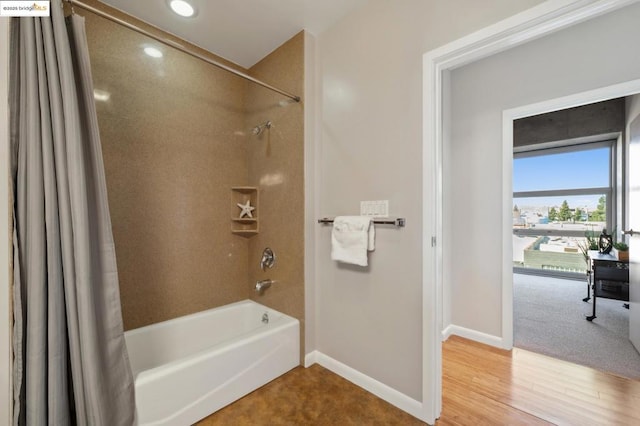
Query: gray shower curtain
[{"x": 71, "y": 365}]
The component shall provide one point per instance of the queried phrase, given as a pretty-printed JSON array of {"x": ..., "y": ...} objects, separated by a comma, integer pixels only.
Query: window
[{"x": 560, "y": 194}]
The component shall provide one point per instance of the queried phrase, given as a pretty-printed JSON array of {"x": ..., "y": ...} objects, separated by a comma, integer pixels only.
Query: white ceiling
[{"x": 242, "y": 31}]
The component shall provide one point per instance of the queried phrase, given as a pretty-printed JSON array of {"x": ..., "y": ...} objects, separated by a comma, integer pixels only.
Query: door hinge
[{"x": 433, "y": 241}]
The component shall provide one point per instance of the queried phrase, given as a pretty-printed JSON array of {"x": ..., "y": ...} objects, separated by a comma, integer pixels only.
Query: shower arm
[{"x": 175, "y": 45}]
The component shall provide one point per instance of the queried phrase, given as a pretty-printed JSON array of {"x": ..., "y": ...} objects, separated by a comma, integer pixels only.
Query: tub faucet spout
[{"x": 262, "y": 285}]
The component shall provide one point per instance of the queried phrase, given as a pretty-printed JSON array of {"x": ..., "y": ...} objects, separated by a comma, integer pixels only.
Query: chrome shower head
[{"x": 260, "y": 128}]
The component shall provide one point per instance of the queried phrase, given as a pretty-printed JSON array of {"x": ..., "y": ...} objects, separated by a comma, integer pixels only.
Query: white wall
[
  {"x": 632, "y": 111},
  {"x": 5, "y": 242},
  {"x": 370, "y": 149},
  {"x": 594, "y": 54}
]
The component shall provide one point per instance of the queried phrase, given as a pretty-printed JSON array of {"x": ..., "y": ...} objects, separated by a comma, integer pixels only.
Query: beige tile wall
[
  {"x": 276, "y": 167},
  {"x": 176, "y": 137}
]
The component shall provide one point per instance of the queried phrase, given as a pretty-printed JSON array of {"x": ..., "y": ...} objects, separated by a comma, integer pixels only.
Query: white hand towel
[{"x": 351, "y": 238}]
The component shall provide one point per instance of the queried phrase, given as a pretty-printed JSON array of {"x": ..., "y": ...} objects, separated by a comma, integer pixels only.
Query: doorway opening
[
  {"x": 565, "y": 193},
  {"x": 438, "y": 66}
]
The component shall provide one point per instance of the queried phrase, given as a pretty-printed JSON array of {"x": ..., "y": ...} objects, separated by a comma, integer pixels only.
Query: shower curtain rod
[{"x": 175, "y": 45}]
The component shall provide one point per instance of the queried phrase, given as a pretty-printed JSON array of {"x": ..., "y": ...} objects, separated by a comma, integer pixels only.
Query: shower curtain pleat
[{"x": 71, "y": 364}]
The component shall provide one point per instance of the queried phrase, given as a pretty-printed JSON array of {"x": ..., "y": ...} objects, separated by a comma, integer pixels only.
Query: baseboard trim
[
  {"x": 379, "y": 389},
  {"x": 477, "y": 336},
  {"x": 310, "y": 359},
  {"x": 446, "y": 333}
]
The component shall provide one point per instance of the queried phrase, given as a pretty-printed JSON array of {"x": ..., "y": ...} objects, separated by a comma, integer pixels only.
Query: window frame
[{"x": 610, "y": 193}]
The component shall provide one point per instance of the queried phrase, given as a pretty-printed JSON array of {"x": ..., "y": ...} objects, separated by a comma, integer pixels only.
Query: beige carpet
[{"x": 549, "y": 318}]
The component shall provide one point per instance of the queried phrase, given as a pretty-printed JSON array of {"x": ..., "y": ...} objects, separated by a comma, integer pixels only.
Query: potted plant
[
  {"x": 621, "y": 251},
  {"x": 590, "y": 243}
]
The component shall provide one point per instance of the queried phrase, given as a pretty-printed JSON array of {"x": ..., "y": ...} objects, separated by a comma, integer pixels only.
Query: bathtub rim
[{"x": 281, "y": 322}]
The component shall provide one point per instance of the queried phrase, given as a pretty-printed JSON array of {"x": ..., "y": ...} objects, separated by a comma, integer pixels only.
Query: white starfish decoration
[{"x": 246, "y": 209}]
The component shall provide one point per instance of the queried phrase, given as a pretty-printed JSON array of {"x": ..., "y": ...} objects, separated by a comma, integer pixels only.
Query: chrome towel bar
[{"x": 398, "y": 221}]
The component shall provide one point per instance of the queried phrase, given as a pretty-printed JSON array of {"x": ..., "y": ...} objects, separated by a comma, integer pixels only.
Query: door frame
[
  {"x": 631, "y": 192},
  {"x": 508, "y": 116},
  {"x": 541, "y": 20}
]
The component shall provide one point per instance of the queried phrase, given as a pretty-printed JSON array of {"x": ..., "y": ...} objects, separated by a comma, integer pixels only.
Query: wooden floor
[
  {"x": 484, "y": 385},
  {"x": 481, "y": 386}
]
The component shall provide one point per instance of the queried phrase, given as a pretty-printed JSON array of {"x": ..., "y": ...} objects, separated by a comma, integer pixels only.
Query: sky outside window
[{"x": 569, "y": 170}]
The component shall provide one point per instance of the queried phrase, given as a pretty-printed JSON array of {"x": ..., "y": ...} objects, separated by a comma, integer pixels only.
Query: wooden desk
[{"x": 610, "y": 279}]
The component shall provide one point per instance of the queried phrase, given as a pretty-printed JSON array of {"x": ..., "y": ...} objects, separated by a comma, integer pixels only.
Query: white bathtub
[{"x": 190, "y": 367}]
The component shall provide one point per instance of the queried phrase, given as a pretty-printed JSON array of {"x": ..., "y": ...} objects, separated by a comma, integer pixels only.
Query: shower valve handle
[{"x": 268, "y": 259}]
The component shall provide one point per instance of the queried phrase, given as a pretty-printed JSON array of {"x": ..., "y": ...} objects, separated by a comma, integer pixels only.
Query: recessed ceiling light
[
  {"x": 101, "y": 95},
  {"x": 182, "y": 8},
  {"x": 153, "y": 52}
]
